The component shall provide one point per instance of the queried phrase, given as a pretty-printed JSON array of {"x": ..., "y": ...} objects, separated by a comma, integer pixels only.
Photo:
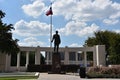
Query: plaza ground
[
  {"x": 68, "y": 76},
  {"x": 46, "y": 76}
]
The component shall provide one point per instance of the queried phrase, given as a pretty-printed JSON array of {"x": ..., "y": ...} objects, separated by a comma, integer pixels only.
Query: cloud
[
  {"x": 31, "y": 41},
  {"x": 117, "y": 31},
  {"x": 65, "y": 8},
  {"x": 77, "y": 14},
  {"x": 113, "y": 19},
  {"x": 80, "y": 10},
  {"x": 114, "y": 16},
  {"x": 75, "y": 45},
  {"x": 35, "y": 9},
  {"x": 110, "y": 21},
  {"x": 78, "y": 28},
  {"x": 32, "y": 28},
  {"x": 86, "y": 10}
]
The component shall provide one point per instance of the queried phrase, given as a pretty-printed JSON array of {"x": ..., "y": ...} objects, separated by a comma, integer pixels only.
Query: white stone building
[{"x": 69, "y": 55}]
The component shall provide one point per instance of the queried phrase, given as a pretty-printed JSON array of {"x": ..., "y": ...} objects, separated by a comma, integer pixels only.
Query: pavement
[
  {"x": 69, "y": 76},
  {"x": 46, "y": 76}
]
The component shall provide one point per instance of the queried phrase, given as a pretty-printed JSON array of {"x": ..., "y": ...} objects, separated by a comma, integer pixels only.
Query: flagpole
[{"x": 51, "y": 29}]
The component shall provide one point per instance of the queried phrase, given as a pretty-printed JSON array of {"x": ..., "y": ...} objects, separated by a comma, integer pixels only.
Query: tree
[
  {"x": 111, "y": 40},
  {"x": 7, "y": 43}
]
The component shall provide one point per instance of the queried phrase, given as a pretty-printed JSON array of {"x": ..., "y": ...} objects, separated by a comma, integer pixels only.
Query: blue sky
[{"x": 76, "y": 20}]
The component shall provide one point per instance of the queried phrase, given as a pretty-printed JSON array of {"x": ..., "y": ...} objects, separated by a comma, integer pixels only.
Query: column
[
  {"x": 94, "y": 58},
  {"x": 76, "y": 57},
  {"x": 8, "y": 61},
  {"x": 100, "y": 55},
  {"x": 18, "y": 61},
  {"x": 47, "y": 57},
  {"x": 97, "y": 55},
  {"x": 27, "y": 58},
  {"x": 37, "y": 56},
  {"x": 85, "y": 59},
  {"x": 50, "y": 54},
  {"x": 66, "y": 60}
]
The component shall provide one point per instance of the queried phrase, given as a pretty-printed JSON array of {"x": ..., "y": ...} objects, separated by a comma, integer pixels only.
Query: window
[
  {"x": 13, "y": 59},
  {"x": 23, "y": 58},
  {"x": 62, "y": 55},
  {"x": 31, "y": 57},
  {"x": 80, "y": 58},
  {"x": 72, "y": 56},
  {"x": 90, "y": 56}
]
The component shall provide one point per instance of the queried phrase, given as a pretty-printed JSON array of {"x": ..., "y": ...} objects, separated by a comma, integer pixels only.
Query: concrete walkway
[{"x": 46, "y": 76}]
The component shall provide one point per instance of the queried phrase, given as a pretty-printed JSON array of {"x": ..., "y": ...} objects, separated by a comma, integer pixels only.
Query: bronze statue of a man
[{"x": 57, "y": 41}]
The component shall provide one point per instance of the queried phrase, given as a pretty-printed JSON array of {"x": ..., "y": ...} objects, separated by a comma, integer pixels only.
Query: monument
[{"x": 56, "y": 61}]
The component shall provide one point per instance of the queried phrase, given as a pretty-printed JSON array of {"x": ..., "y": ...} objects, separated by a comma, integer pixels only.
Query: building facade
[{"x": 69, "y": 56}]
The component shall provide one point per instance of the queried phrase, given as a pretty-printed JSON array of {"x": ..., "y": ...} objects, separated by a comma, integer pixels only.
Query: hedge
[
  {"x": 47, "y": 68},
  {"x": 103, "y": 72}
]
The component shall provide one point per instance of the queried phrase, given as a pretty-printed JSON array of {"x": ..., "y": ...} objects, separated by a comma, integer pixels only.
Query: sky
[{"x": 76, "y": 20}]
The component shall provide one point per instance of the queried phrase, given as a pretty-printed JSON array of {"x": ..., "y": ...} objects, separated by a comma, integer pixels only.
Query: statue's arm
[{"x": 52, "y": 39}]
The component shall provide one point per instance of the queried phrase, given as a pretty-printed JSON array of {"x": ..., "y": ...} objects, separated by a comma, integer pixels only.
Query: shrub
[
  {"x": 103, "y": 72},
  {"x": 47, "y": 68}
]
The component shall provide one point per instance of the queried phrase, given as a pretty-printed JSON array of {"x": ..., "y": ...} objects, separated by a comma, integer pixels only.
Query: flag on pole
[{"x": 49, "y": 12}]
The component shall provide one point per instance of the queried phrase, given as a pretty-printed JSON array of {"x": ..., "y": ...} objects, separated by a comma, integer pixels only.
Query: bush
[
  {"x": 47, "y": 68},
  {"x": 70, "y": 68},
  {"x": 103, "y": 72},
  {"x": 82, "y": 72},
  {"x": 38, "y": 68}
]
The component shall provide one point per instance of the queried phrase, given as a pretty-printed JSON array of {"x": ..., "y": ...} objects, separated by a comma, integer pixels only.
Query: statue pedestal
[{"x": 56, "y": 63}]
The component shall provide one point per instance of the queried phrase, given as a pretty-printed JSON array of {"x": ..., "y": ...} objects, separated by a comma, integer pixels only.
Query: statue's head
[{"x": 56, "y": 32}]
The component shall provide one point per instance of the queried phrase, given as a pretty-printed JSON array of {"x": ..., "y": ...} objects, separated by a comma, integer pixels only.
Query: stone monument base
[{"x": 56, "y": 63}]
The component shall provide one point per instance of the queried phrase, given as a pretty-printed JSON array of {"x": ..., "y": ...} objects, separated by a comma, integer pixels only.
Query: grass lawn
[{"x": 19, "y": 78}]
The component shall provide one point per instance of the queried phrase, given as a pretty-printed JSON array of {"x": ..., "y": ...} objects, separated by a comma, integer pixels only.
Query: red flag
[{"x": 49, "y": 12}]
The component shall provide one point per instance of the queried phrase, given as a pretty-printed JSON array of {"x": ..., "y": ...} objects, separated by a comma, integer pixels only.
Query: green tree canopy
[
  {"x": 7, "y": 43},
  {"x": 111, "y": 40}
]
